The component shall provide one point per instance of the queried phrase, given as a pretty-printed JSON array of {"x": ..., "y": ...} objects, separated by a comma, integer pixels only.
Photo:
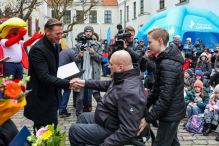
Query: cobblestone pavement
[{"x": 185, "y": 137}]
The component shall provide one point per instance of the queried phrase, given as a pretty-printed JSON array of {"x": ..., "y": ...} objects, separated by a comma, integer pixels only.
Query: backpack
[{"x": 195, "y": 124}]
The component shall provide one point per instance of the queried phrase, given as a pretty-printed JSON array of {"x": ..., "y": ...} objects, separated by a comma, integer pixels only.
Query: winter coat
[
  {"x": 95, "y": 58},
  {"x": 188, "y": 48},
  {"x": 212, "y": 104},
  {"x": 205, "y": 84},
  {"x": 8, "y": 131},
  {"x": 122, "y": 107},
  {"x": 167, "y": 94},
  {"x": 205, "y": 66},
  {"x": 149, "y": 65},
  {"x": 109, "y": 48},
  {"x": 133, "y": 49},
  {"x": 216, "y": 63},
  {"x": 199, "y": 49},
  {"x": 188, "y": 83},
  {"x": 178, "y": 44},
  {"x": 190, "y": 98},
  {"x": 186, "y": 64},
  {"x": 43, "y": 66}
]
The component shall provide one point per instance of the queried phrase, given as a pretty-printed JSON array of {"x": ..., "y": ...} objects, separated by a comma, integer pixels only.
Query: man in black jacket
[
  {"x": 42, "y": 101},
  {"x": 135, "y": 50},
  {"x": 167, "y": 95},
  {"x": 118, "y": 114}
]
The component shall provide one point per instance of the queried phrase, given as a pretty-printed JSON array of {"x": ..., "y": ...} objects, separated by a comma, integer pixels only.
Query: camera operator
[
  {"x": 88, "y": 58},
  {"x": 129, "y": 45}
]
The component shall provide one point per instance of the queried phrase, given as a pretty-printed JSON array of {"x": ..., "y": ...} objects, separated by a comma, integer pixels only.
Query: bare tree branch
[
  {"x": 59, "y": 8},
  {"x": 18, "y": 8}
]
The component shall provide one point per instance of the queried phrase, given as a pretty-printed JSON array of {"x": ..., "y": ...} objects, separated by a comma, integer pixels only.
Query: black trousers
[
  {"x": 167, "y": 134},
  {"x": 215, "y": 78},
  {"x": 54, "y": 120},
  {"x": 86, "y": 131}
]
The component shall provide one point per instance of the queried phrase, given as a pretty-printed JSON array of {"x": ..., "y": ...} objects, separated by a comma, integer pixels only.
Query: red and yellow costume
[{"x": 11, "y": 32}]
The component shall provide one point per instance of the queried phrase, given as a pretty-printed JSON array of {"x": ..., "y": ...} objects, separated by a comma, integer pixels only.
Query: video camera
[
  {"x": 121, "y": 35},
  {"x": 84, "y": 40}
]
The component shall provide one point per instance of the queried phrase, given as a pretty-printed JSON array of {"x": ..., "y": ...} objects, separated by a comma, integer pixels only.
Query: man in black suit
[{"x": 42, "y": 101}]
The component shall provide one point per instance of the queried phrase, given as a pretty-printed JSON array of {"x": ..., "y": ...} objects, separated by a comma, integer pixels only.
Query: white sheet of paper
[{"x": 67, "y": 70}]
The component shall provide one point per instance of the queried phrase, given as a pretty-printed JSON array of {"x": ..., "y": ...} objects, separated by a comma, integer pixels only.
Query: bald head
[
  {"x": 122, "y": 58},
  {"x": 120, "y": 61}
]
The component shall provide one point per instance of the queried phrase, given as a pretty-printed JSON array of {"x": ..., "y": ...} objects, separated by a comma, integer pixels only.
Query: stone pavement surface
[{"x": 185, "y": 137}]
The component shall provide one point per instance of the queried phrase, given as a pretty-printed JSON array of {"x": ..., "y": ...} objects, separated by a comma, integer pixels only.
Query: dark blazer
[{"x": 43, "y": 66}]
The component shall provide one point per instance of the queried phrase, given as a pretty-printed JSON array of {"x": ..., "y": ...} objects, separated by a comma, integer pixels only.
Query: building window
[
  {"x": 127, "y": 13},
  {"x": 161, "y": 4},
  {"x": 67, "y": 17},
  {"x": 37, "y": 26},
  {"x": 107, "y": 17},
  {"x": 181, "y": 1},
  {"x": 29, "y": 21},
  {"x": 134, "y": 4},
  {"x": 120, "y": 16},
  {"x": 142, "y": 6},
  {"x": 93, "y": 16},
  {"x": 79, "y": 17},
  {"x": 53, "y": 16}
]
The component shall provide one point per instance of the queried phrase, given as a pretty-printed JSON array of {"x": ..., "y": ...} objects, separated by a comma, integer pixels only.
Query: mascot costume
[{"x": 11, "y": 32}]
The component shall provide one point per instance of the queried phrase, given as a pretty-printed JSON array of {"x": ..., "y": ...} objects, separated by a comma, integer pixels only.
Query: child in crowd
[
  {"x": 188, "y": 47},
  {"x": 215, "y": 72},
  {"x": 196, "y": 99},
  {"x": 188, "y": 79},
  {"x": 199, "y": 76},
  {"x": 205, "y": 64},
  {"x": 207, "y": 51},
  {"x": 197, "y": 48},
  {"x": 187, "y": 61},
  {"x": 211, "y": 112}
]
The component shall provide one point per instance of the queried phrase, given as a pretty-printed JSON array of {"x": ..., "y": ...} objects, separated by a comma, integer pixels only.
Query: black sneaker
[
  {"x": 65, "y": 113},
  {"x": 184, "y": 124}
]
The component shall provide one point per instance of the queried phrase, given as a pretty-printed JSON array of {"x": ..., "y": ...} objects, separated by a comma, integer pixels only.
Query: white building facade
[{"x": 137, "y": 12}]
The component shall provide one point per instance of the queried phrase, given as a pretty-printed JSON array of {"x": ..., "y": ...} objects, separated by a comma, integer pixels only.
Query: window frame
[
  {"x": 127, "y": 13},
  {"x": 37, "y": 25},
  {"x": 141, "y": 6},
  {"x": 107, "y": 18},
  {"x": 29, "y": 26},
  {"x": 162, "y": 2},
  {"x": 80, "y": 11},
  {"x": 91, "y": 15},
  {"x": 120, "y": 13},
  {"x": 68, "y": 17},
  {"x": 134, "y": 9}
]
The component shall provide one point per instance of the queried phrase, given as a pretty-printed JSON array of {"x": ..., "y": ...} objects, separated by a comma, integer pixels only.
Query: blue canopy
[{"x": 187, "y": 22}]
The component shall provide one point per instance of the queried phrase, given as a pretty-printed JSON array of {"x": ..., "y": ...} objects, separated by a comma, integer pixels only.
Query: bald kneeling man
[{"x": 118, "y": 115}]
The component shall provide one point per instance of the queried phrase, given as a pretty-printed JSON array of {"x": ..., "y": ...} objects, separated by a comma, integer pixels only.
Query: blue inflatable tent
[{"x": 187, "y": 22}]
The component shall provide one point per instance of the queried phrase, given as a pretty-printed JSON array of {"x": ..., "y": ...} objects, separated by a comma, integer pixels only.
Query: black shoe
[
  {"x": 154, "y": 124},
  {"x": 65, "y": 113},
  {"x": 217, "y": 138},
  {"x": 204, "y": 129},
  {"x": 184, "y": 124},
  {"x": 74, "y": 105},
  {"x": 208, "y": 129}
]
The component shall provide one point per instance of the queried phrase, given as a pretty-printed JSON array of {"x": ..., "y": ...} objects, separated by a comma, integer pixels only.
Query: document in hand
[{"x": 69, "y": 71}]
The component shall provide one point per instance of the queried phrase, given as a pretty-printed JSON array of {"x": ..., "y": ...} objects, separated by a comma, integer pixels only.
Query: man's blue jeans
[
  {"x": 195, "y": 110},
  {"x": 63, "y": 99}
]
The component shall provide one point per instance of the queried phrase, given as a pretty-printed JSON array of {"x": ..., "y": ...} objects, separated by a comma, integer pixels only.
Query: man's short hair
[
  {"x": 51, "y": 23},
  {"x": 129, "y": 28},
  {"x": 157, "y": 33}
]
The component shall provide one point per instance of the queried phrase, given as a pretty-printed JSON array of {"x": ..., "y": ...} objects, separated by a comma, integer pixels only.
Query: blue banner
[{"x": 108, "y": 35}]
